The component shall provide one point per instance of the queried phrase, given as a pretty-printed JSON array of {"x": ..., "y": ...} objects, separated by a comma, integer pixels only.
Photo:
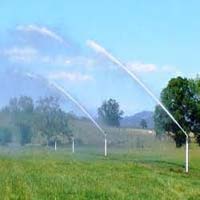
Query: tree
[
  {"x": 13, "y": 105},
  {"x": 25, "y": 133},
  {"x": 196, "y": 116},
  {"x": 25, "y": 104},
  {"x": 143, "y": 123},
  {"x": 22, "y": 121},
  {"x": 160, "y": 120},
  {"x": 180, "y": 98},
  {"x": 5, "y": 135},
  {"x": 110, "y": 113},
  {"x": 51, "y": 120},
  {"x": 21, "y": 111}
]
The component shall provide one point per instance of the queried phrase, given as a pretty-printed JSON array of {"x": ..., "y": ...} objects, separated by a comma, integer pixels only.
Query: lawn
[{"x": 41, "y": 174}]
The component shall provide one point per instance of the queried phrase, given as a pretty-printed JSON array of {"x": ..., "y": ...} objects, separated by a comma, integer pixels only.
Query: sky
[{"x": 157, "y": 40}]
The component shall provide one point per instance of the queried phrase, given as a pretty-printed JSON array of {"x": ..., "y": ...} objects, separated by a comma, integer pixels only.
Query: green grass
[{"x": 138, "y": 174}]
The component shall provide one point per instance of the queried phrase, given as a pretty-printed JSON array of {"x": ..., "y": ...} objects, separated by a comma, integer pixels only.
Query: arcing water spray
[
  {"x": 116, "y": 61},
  {"x": 67, "y": 95}
]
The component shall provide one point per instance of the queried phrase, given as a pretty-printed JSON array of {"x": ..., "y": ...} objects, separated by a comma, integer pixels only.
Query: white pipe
[
  {"x": 68, "y": 96},
  {"x": 186, "y": 155},
  {"x": 105, "y": 147},
  {"x": 116, "y": 61},
  {"x": 73, "y": 146},
  {"x": 55, "y": 145},
  {"x": 82, "y": 108}
]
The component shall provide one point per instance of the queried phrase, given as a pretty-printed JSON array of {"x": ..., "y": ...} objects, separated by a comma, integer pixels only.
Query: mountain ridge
[{"x": 133, "y": 121}]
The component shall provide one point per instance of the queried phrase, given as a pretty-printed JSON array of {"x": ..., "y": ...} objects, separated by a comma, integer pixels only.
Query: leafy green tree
[
  {"x": 196, "y": 115},
  {"x": 23, "y": 118},
  {"x": 24, "y": 121},
  {"x": 25, "y": 104},
  {"x": 19, "y": 113},
  {"x": 51, "y": 120},
  {"x": 110, "y": 113},
  {"x": 5, "y": 135},
  {"x": 160, "y": 120},
  {"x": 25, "y": 133},
  {"x": 180, "y": 98},
  {"x": 13, "y": 105},
  {"x": 143, "y": 123}
]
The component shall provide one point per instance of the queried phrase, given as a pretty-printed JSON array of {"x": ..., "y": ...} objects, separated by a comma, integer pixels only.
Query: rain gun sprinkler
[
  {"x": 116, "y": 61},
  {"x": 67, "y": 96}
]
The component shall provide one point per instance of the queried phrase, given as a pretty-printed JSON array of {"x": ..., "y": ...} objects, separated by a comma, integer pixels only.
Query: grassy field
[{"x": 41, "y": 174}]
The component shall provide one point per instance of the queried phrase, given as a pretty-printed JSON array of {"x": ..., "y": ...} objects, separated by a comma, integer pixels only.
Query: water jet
[
  {"x": 67, "y": 96},
  {"x": 99, "y": 49}
]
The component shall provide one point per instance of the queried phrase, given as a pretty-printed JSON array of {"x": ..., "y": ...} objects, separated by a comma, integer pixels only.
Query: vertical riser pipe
[
  {"x": 186, "y": 156},
  {"x": 55, "y": 146},
  {"x": 105, "y": 148},
  {"x": 73, "y": 146}
]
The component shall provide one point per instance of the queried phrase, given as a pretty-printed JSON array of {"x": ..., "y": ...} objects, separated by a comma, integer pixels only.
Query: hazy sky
[{"x": 156, "y": 39}]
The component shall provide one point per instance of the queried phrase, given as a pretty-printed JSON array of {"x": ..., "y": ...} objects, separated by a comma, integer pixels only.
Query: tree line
[
  {"x": 22, "y": 121},
  {"x": 45, "y": 118}
]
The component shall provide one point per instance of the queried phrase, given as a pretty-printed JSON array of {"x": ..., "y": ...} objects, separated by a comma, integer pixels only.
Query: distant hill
[{"x": 134, "y": 121}]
